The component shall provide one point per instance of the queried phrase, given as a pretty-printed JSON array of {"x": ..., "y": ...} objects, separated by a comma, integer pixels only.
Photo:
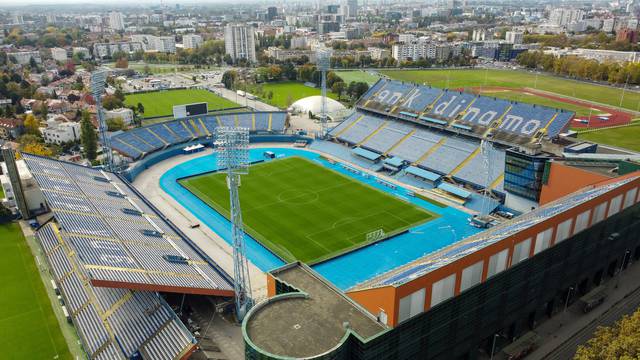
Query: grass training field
[
  {"x": 370, "y": 77},
  {"x": 282, "y": 91},
  {"x": 28, "y": 326},
  {"x": 627, "y": 137},
  {"x": 160, "y": 103},
  {"x": 454, "y": 79},
  {"x": 303, "y": 211}
]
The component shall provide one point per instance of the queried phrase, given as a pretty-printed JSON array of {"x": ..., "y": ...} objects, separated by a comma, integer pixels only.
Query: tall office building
[
  {"x": 239, "y": 42},
  {"x": 272, "y": 13},
  {"x": 116, "y": 21},
  {"x": 514, "y": 37},
  {"x": 351, "y": 9}
]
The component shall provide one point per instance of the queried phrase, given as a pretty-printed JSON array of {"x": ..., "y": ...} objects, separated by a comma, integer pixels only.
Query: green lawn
[
  {"x": 304, "y": 211},
  {"x": 518, "y": 79},
  {"x": 160, "y": 103},
  {"x": 539, "y": 100},
  {"x": 285, "y": 89},
  {"x": 28, "y": 326},
  {"x": 370, "y": 77},
  {"x": 627, "y": 137}
]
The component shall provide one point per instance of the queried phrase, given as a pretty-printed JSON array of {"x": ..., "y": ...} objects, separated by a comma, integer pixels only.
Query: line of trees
[{"x": 580, "y": 68}]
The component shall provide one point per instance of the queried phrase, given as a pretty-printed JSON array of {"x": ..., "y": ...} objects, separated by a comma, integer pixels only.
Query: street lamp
[
  {"x": 493, "y": 345},
  {"x": 566, "y": 302}
]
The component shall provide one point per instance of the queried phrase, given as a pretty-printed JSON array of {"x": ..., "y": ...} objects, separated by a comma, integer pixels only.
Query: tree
[
  {"x": 338, "y": 88},
  {"x": 88, "y": 137},
  {"x": 111, "y": 102},
  {"x": 140, "y": 108},
  {"x": 617, "y": 342},
  {"x": 32, "y": 144},
  {"x": 31, "y": 125},
  {"x": 122, "y": 63},
  {"x": 115, "y": 124},
  {"x": 229, "y": 78}
]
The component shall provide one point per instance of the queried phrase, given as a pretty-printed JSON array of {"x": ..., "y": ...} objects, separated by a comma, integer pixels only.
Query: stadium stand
[
  {"x": 361, "y": 129},
  {"x": 475, "y": 171},
  {"x": 113, "y": 323},
  {"x": 387, "y": 137},
  {"x": 449, "y": 155},
  {"x": 139, "y": 142},
  {"x": 120, "y": 240},
  {"x": 483, "y": 239},
  {"x": 511, "y": 123}
]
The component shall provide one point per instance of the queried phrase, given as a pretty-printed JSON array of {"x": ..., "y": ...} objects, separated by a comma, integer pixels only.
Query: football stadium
[{"x": 425, "y": 224}]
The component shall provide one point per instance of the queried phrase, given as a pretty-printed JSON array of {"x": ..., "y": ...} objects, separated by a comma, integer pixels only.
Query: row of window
[{"x": 414, "y": 304}]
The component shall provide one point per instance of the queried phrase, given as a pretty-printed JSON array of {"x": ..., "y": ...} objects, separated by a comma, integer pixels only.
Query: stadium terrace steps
[
  {"x": 139, "y": 142},
  {"x": 430, "y": 151},
  {"x": 465, "y": 162},
  {"x": 408, "y": 135},
  {"x": 511, "y": 123},
  {"x": 373, "y": 133}
]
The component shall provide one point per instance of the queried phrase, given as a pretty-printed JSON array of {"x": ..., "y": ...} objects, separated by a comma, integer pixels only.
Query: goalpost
[{"x": 376, "y": 235}]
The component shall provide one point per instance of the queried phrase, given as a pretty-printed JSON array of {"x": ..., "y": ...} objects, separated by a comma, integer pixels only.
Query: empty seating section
[
  {"x": 361, "y": 129},
  {"x": 348, "y": 121},
  {"x": 451, "y": 104},
  {"x": 165, "y": 134},
  {"x": 113, "y": 323},
  {"x": 526, "y": 120},
  {"x": 559, "y": 123},
  {"x": 475, "y": 171},
  {"x": 245, "y": 121},
  {"x": 418, "y": 100},
  {"x": 393, "y": 93},
  {"x": 278, "y": 121},
  {"x": 372, "y": 90},
  {"x": 388, "y": 136},
  {"x": 138, "y": 142},
  {"x": 484, "y": 111},
  {"x": 149, "y": 138},
  {"x": 412, "y": 148},
  {"x": 262, "y": 122},
  {"x": 449, "y": 155},
  {"x": 519, "y": 122}
]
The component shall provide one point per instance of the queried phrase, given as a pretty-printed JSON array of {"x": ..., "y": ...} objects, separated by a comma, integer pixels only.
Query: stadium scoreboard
[{"x": 186, "y": 110}]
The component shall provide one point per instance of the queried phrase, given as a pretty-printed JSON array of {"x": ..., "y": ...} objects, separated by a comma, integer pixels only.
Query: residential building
[
  {"x": 125, "y": 114},
  {"x": 290, "y": 54},
  {"x": 106, "y": 50},
  {"x": 598, "y": 55},
  {"x": 59, "y": 131},
  {"x": 166, "y": 44},
  {"x": 10, "y": 128},
  {"x": 481, "y": 35},
  {"x": 564, "y": 16},
  {"x": 82, "y": 52},
  {"x": 24, "y": 57},
  {"x": 298, "y": 42},
  {"x": 421, "y": 48},
  {"x": 59, "y": 54},
  {"x": 191, "y": 41},
  {"x": 239, "y": 42},
  {"x": 116, "y": 21},
  {"x": 514, "y": 37},
  {"x": 627, "y": 35},
  {"x": 608, "y": 25},
  {"x": 379, "y": 53}
]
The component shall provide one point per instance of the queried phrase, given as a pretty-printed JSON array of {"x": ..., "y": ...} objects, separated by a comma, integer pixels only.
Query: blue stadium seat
[
  {"x": 525, "y": 120},
  {"x": 484, "y": 111},
  {"x": 559, "y": 123},
  {"x": 420, "y": 98},
  {"x": 163, "y": 133},
  {"x": 179, "y": 130},
  {"x": 262, "y": 121},
  {"x": 278, "y": 122},
  {"x": 451, "y": 104}
]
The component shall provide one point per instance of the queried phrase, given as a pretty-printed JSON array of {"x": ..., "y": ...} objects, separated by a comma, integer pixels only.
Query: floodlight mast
[
  {"x": 232, "y": 148},
  {"x": 323, "y": 60},
  {"x": 98, "y": 81}
]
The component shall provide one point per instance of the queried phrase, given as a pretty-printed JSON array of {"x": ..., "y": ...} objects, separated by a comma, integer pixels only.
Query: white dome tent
[{"x": 314, "y": 104}]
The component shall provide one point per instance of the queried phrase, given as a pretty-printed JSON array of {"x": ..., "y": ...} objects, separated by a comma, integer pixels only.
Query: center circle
[{"x": 298, "y": 196}]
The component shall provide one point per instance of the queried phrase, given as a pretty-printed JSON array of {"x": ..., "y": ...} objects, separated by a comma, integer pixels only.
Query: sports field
[
  {"x": 304, "y": 211},
  {"x": 627, "y": 137},
  {"x": 28, "y": 326},
  {"x": 454, "y": 79},
  {"x": 282, "y": 90},
  {"x": 370, "y": 77},
  {"x": 160, "y": 103}
]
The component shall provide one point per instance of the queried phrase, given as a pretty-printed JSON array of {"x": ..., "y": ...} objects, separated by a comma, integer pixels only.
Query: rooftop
[{"x": 295, "y": 325}]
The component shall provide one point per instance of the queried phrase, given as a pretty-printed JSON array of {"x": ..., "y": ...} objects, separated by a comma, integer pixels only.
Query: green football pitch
[
  {"x": 303, "y": 211},
  {"x": 28, "y": 327},
  {"x": 454, "y": 79},
  {"x": 160, "y": 103},
  {"x": 285, "y": 91}
]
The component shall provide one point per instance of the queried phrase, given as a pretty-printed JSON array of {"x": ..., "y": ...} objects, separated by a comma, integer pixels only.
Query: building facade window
[
  {"x": 471, "y": 275},
  {"x": 497, "y": 262},
  {"x": 411, "y": 305},
  {"x": 443, "y": 290},
  {"x": 614, "y": 207},
  {"x": 521, "y": 251},
  {"x": 523, "y": 174},
  {"x": 543, "y": 239},
  {"x": 564, "y": 230}
]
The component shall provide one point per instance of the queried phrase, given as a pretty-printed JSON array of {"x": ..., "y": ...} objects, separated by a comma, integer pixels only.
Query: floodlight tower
[
  {"x": 323, "y": 61},
  {"x": 232, "y": 148},
  {"x": 98, "y": 81},
  {"x": 485, "y": 149}
]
